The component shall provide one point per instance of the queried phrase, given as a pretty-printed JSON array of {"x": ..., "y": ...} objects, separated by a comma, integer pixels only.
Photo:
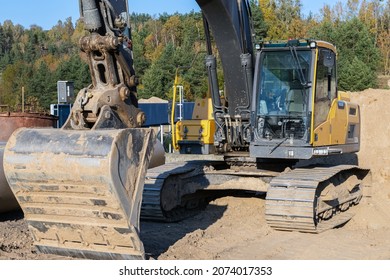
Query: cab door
[{"x": 325, "y": 98}]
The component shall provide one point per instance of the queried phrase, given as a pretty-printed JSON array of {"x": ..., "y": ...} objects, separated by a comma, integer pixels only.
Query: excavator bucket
[{"x": 81, "y": 190}]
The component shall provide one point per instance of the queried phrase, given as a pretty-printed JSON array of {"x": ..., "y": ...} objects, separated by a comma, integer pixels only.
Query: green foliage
[
  {"x": 74, "y": 69},
  {"x": 356, "y": 76},
  {"x": 282, "y": 18},
  {"x": 173, "y": 42},
  {"x": 42, "y": 85},
  {"x": 12, "y": 81},
  {"x": 356, "y": 46},
  {"x": 34, "y": 59},
  {"x": 360, "y": 55},
  {"x": 259, "y": 25},
  {"x": 159, "y": 77},
  {"x": 140, "y": 63}
]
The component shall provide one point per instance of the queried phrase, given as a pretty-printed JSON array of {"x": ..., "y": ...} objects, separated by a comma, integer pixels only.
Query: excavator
[
  {"x": 281, "y": 109},
  {"x": 83, "y": 188}
]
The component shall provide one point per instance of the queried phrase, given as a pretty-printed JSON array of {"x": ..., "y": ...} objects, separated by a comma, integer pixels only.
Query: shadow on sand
[{"x": 158, "y": 237}]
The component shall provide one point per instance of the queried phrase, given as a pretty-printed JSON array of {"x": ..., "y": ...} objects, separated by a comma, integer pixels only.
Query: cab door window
[{"x": 325, "y": 85}]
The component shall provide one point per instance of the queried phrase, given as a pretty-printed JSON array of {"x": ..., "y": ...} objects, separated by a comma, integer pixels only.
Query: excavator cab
[{"x": 298, "y": 112}]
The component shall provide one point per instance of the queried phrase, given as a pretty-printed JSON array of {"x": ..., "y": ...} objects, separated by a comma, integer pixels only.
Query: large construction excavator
[
  {"x": 80, "y": 187},
  {"x": 281, "y": 107}
]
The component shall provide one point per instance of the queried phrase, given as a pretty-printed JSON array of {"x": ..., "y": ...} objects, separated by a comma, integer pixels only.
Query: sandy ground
[{"x": 235, "y": 227}]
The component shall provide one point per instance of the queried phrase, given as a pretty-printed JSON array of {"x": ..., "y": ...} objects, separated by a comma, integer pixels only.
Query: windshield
[
  {"x": 283, "y": 86},
  {"x": 283, "y": 94}
]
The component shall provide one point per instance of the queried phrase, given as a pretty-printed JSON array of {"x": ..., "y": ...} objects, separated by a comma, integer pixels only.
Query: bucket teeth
[{"x": 81, "y": 191}]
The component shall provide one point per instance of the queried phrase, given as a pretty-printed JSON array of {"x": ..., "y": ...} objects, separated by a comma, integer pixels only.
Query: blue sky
[{"x": 46, "y": 13}]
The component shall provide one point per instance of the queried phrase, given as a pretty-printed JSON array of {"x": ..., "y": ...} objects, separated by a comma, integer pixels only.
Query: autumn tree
[{"x": 283, "y": 18}]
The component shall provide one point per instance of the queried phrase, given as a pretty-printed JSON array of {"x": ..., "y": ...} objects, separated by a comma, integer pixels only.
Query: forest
[{"x": 35, "y": 59}]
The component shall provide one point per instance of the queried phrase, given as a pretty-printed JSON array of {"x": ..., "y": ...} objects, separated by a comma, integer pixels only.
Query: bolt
[
  {"x": 124, "y": 93},
  {"x": 141, "y": 118}
]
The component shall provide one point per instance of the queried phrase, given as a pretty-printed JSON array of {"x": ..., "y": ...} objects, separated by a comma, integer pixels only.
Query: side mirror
[{"x": 328, "y": 58}]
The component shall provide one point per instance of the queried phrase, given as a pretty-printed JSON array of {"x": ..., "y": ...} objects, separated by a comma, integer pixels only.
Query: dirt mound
[
  {"x": 375, "y": 142},
  {"x": 375, "y": 154}
]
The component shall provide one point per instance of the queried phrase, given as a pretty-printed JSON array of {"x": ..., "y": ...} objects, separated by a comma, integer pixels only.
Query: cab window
[{"x": 325, "y": 85}]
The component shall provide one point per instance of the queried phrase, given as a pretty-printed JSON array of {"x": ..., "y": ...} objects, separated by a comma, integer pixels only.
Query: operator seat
[{"x": 294, "y": 101}]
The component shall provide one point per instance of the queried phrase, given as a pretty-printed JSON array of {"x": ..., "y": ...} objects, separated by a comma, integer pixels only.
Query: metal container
[{"x": 9, "y": 122}]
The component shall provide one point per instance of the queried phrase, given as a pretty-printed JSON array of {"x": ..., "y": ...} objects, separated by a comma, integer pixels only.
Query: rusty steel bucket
[{"x": 9, "y": 122}]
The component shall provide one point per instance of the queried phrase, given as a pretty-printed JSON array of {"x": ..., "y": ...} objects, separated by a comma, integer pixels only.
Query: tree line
[{"x": 36, "y": 59}]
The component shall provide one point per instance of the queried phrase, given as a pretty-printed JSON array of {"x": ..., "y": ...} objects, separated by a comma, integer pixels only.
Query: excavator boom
[{"x": 231, "y": 26}]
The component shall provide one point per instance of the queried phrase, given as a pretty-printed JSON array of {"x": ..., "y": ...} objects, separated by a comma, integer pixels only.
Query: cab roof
[{"x": 310, "y": 43}]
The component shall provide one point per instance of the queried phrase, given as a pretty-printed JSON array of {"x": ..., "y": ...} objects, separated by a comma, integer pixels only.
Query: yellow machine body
[
  {"x": 342, "y": 124},
  {"x": 343, "y": 119},
  {"x": 196, "y": 136}
]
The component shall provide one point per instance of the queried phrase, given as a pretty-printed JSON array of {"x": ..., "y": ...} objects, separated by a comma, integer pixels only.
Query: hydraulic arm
[{"x": 230, "y": 23}]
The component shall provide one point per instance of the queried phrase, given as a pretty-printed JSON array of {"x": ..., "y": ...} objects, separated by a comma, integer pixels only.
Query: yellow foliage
[
  {"x": 152, "y": 50},
  {"x": 171, "y": 30},
  {"x": 51, "y": 61}
]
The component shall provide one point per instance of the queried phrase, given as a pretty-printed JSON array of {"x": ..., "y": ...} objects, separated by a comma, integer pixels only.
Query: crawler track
[
  {"x": 314, "y": 199},
  {"x": 171, "y": 207},
  {"x": 310, "y": 199},
  {"x": 175, "y": 191}
]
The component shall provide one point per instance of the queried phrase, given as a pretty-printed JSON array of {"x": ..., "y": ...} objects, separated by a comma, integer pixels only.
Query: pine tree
[
  {"x": 259, "y": 25},
  {"x": 159, "y": 78},
  {"x": 355, "y": 44},
  {"x": 356, "y": 76}
]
